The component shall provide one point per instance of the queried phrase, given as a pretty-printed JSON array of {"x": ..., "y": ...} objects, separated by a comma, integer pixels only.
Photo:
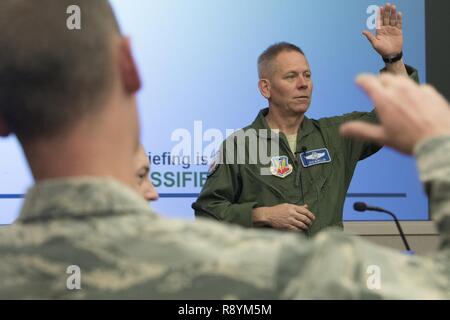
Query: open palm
[{"x": 388, "y": 40}]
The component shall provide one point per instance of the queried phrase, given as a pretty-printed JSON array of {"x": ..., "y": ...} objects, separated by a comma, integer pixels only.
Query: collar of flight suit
[
  {"x": 80, "y": 198},
  {"x": 263, "y": 131}
]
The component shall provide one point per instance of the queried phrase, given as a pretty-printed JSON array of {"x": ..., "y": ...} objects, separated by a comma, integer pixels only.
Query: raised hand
[{"x": 388, "y": 40}]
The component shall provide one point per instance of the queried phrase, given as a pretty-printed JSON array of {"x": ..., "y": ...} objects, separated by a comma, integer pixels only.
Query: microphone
[
  {"x": 198, "y": 207},
  {"x": 361, "y": 207},
  {"x": 303, "y": 150}
]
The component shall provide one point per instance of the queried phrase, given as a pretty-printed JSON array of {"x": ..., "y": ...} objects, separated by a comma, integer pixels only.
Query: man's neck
[
  {"x": 81, "y": 154},
  {"x": 289, "y": 124}
]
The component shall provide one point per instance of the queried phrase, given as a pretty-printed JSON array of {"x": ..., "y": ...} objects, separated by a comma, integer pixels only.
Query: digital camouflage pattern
[{"x": 124, "y": 250}]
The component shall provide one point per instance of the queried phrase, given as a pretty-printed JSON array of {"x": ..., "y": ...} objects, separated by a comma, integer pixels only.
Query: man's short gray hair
[{"x": 265, "y": 60}]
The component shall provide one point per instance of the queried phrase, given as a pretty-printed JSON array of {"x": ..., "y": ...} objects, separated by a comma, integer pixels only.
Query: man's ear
[
  {"x": 129, "y": 74},
  {"x": 4, "y": 129},
  {"x": 264, "y": 88}
]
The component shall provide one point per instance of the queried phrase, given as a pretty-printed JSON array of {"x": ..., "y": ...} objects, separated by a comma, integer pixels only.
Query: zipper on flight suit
[
  {"x": 296, "y": 163},
  {"x": 299, "y": 182},
  {"x": 295, "y": 160}
]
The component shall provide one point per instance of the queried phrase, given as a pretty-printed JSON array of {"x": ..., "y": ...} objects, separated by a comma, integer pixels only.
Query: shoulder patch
[{"x": 214, "y": 165}]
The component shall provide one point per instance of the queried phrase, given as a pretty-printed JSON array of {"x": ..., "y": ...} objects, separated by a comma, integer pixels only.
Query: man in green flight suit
[{"x": 311, "y": 170}]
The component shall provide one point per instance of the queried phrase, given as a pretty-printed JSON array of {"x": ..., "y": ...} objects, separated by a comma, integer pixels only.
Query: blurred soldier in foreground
[{"x": 85, "y": 233}]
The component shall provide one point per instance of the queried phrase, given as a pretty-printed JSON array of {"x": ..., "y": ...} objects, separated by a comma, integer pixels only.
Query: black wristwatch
[{"x": 393, "y": 59}]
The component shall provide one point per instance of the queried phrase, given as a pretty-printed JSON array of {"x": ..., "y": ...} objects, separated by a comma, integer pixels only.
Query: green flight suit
[{"x": 233, "y": 190}]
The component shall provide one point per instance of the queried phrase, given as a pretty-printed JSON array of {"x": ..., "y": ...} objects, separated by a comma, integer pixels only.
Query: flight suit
[{"x": 234, "y": 189}]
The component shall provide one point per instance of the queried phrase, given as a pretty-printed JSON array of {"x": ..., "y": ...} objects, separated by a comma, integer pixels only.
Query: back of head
[{"x": 51, "y": 76}]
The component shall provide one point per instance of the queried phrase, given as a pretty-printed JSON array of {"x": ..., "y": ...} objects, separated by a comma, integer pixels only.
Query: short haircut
[
  {"x": 50, "y": 76},
  {"x": 265, "y": 60}
]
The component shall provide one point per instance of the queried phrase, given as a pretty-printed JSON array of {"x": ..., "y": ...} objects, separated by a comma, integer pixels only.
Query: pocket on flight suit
[
  {"x": 267, "y": 191},
  {"x": 320, "y": 174}
]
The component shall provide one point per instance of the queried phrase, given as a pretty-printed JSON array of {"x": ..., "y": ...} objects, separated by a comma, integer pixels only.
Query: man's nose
[
  {"x": 151, "y": 194},
  {"x": 302, "y": 83}
]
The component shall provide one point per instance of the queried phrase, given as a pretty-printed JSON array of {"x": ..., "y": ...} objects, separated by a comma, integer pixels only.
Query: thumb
[
  {"x": 369, "y": 36},
  {"x": 364, "y": 131}
]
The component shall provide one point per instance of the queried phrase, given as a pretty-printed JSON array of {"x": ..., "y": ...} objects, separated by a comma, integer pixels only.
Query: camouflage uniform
[{"x": 124, "y": 250}]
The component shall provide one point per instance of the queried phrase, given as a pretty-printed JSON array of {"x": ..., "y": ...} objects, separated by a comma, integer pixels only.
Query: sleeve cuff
[
  {"x": 412, "y": 72},
  {"x": 241, "y": 214},
  {"x": 432, "y": 158}
]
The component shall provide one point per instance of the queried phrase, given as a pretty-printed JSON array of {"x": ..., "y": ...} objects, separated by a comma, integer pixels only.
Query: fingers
[
  {"x": 399, "y": 20},
  {"x": 369, "y": 36},
  {"x": 393, "y": 16},
  {"x": 364, "y": 131},
  {"x": 294, "y": 229},
  {"x": 375, "y": 86},
  {"x": 303, "y": 216},
  {"x": 387, "y": 91},
  {"x": 396, "y": 95},
  {"x": 298, "y": 225},
  {"x": 385, "y": 15},
  {"x": 303, "y": 220},
  {"x": 303, "y": 210},
  {"x": 389, "y": 16},
  {"x": 372, "y": 86},
  {"x": 291, "y": 228},
  {"x": 396, "y": 19},
  {"x": 379, "y": 19}
]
